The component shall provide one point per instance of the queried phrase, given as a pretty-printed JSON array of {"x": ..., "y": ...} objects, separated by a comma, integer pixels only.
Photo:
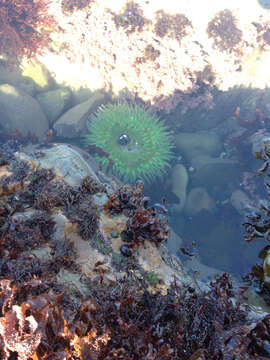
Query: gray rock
[
  {"x": 66, "y": 161},
  {"x": 20, "y": 111},
  {"x": 198, "y": 199},
  {"x": 38, "y": 74},
  {"x": 179, "y": 178},
  {"x": 73, "y": 123},
  {"x": 213, "y": 171},
  {"x": 241, "y": 202},
  {"x": 174, "y": 242},
  {"x": 54, "y": 103},
  {"x": 199, "y": 143}
]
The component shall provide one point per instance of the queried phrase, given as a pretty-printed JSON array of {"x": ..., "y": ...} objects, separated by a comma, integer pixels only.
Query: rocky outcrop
[
  {"x": 170, "y": 52},
  {"x": 102, "y": 251}
]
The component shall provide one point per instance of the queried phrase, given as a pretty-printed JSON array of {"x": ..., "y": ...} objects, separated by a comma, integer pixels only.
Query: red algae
[{"x": 25, "y": 27}]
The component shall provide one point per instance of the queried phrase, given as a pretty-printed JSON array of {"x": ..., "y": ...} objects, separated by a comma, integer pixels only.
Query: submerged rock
[
  {"x": 191, "y": 145},
  {"x": 214, "y": 171},
  {"x": 179, "y": 186},
  {"x": 38, "y": 74},
  {"x": 21, "y": 112},
  {"x": 241, "y": 201},
  {"x": 73, "y": 123},
  {"x": 258, "y": 142},
  {"x": 54, "y": 103},
  {"x": 198, "y": 199}
]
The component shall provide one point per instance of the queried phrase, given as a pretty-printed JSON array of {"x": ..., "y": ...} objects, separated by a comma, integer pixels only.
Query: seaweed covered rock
[
  {"x": 55, "y": 197},
  {"x": 84, "y": 273},
  {"x": 182, "y": 324}
]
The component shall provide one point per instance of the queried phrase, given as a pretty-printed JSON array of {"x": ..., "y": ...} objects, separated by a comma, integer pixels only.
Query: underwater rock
[
  {"x": 39, "y": 75},
  {"x": 194, "y": 144},
  {"x": 213, "y": 171},
  {"x": 198, "y": 199},
  {"x": 179, "y": 180},
  {"x": 240, "y": 201},
  {"x": 73, "y": 122},
  {"x": 66, "y": 161},
  {"x": 54, "y": 103},
  {"x": 13, "y": 76},
  {"x": 21, "y": 112},
  {"x": 218, "y": 244}
]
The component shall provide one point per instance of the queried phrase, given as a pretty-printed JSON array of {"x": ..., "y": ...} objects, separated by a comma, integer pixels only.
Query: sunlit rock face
[{"x": 163, "y": 52}]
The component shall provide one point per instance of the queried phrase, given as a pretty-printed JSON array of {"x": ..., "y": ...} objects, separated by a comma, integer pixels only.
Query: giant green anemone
[{"x": 136, "y": 143}]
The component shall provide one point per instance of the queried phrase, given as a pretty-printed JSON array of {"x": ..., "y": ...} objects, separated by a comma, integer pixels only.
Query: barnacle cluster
[
  {"x": 125, "y": 199},
  {"x": 134, "y": 143},
  {"x": 175, "y": 26},
  {"x": 25, "y": 27},
  {"x": 150, "y": 54},
  {"x": 223, "y": 29},
  {"x": 68, "y": 6},
  {"x": 131, "y": 19},
  {"x": 263, "y": 33}
]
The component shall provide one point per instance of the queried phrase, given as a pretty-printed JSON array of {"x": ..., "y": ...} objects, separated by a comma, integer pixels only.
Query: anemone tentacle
[{"x": 138, "y": 143}]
